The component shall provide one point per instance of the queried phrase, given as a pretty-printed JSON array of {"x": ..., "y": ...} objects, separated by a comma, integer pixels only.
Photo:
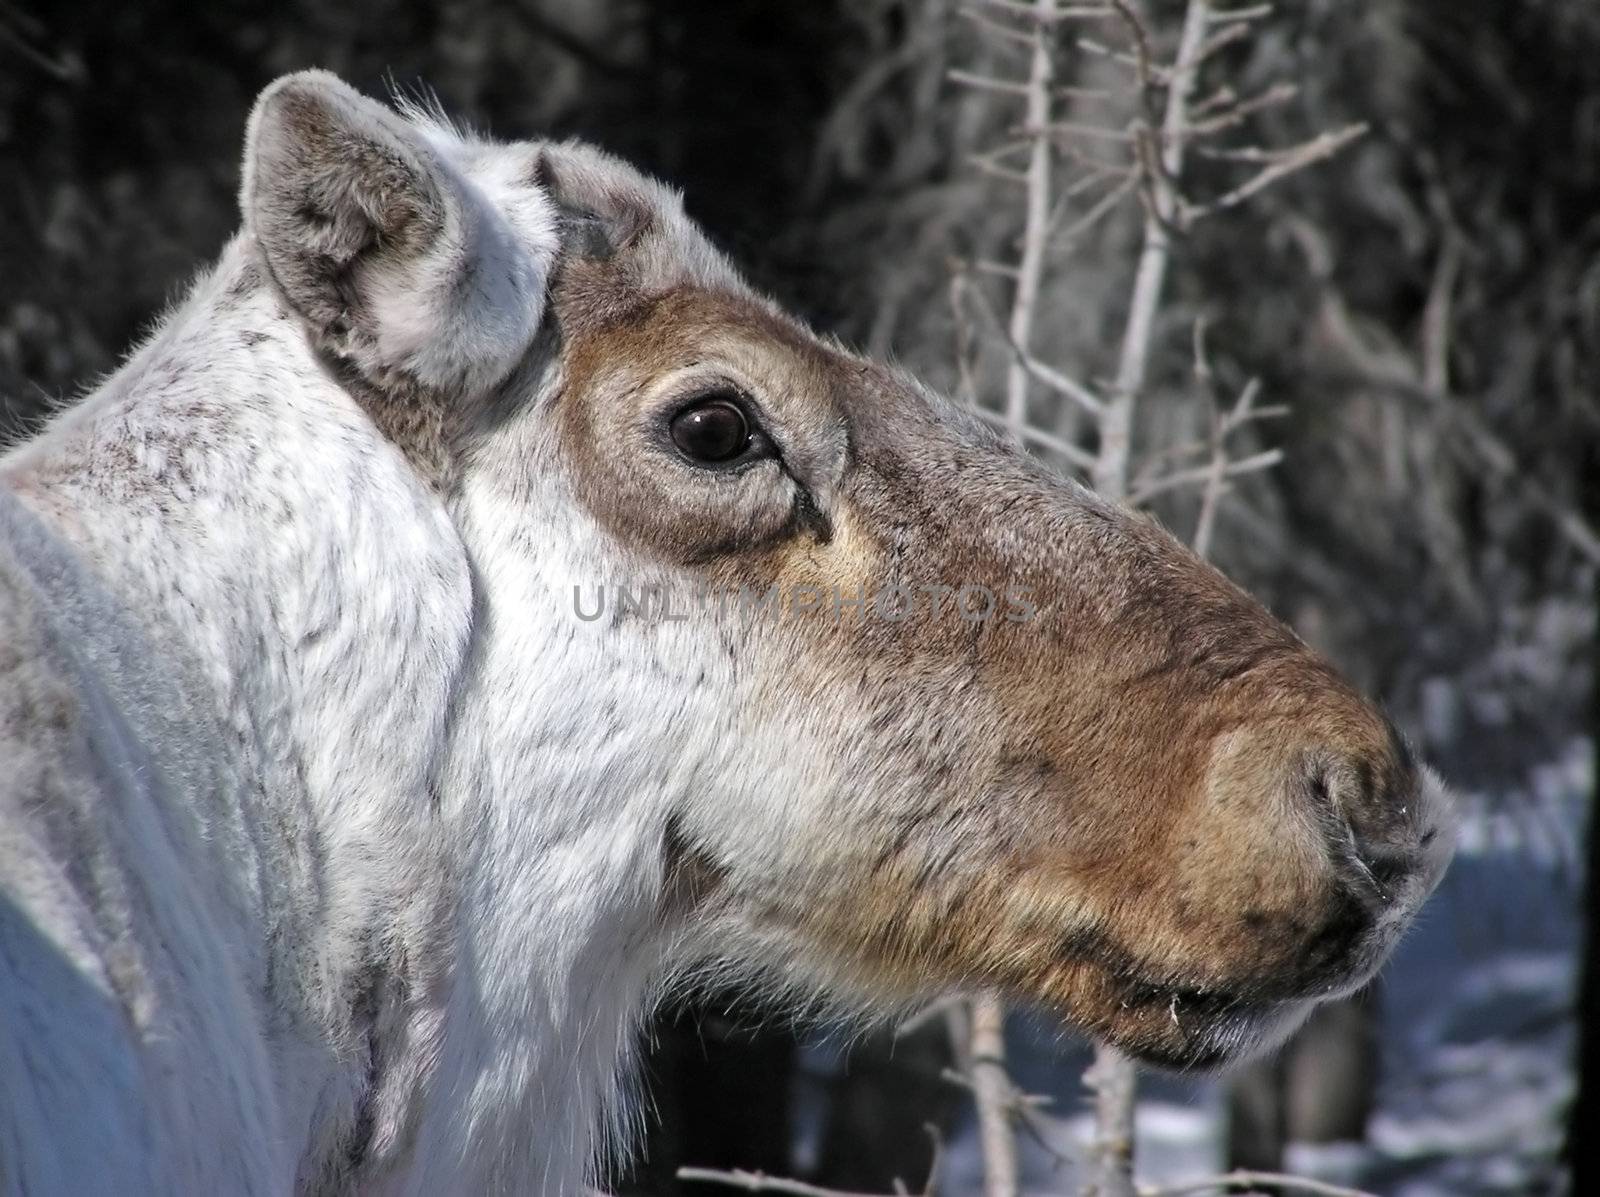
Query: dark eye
[{"x": 711, "y": 431}]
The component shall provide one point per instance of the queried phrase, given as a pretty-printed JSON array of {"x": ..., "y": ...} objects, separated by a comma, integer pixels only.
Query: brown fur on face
[{"x": 1149, "y": 805}]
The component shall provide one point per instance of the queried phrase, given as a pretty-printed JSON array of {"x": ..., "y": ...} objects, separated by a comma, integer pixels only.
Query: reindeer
[{"x": 343, "y": 852}]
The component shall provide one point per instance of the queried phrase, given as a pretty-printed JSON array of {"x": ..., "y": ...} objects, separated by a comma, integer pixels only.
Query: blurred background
[{"x": 1421, "y": 298}]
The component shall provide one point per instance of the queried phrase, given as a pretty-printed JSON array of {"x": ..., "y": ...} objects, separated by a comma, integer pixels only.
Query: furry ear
[{"x": 393, "y": 258}]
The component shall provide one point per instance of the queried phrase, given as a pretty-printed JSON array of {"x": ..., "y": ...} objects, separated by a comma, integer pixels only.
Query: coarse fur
[{"x": 341, "y": 850}]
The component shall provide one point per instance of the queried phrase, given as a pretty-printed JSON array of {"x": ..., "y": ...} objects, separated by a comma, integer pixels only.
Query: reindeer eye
[{"x": 711, "y": 431}]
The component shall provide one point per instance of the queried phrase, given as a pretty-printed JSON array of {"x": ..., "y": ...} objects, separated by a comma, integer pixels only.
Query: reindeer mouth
[
  {"x": 1184, "y": 1025},
  {"x": 1182, "y": 1029}
]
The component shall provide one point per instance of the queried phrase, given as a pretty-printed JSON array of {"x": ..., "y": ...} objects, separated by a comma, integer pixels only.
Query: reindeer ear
[{"x": 395, "y": 260}]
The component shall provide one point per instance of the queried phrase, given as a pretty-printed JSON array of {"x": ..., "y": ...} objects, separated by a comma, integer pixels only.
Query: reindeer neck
[
  {"x": 238, "y": 504},
  {"x": 492, "y": 886},
  {"x": 556, "y": 778}
]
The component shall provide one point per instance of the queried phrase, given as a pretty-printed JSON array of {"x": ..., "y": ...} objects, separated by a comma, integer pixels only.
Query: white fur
[
  {"x": 379, "y": 822},
  {"x": 320, "y": 630}
]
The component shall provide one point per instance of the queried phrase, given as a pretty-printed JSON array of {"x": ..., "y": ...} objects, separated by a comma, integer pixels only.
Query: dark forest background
[{"x": 1433, "y": 528}]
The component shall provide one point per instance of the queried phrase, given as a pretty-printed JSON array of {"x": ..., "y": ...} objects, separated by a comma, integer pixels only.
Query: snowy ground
[{"x": 1478, "y": 1032}]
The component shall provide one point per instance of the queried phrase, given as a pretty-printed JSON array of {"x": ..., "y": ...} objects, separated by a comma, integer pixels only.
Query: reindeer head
[{"x": 906, "y": 711}]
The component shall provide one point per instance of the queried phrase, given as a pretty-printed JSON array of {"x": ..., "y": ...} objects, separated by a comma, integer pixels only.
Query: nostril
[
  {"x": 1364, "y": 806},
  {"x": 1374, "y": 836},
  {"x": 1388, "y": 870}
]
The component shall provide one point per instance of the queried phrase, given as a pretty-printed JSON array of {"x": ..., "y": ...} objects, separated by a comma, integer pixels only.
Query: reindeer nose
[
  {"x": 1380, "y": 834},
  {"x": 1389, "y": 830}
]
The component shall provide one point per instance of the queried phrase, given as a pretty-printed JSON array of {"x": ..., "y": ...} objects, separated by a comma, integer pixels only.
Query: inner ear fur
[{"x": 395, "y": 261}]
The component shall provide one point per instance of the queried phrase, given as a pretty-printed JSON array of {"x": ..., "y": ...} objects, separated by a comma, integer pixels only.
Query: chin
[{"x": 1216, "y": 1043}]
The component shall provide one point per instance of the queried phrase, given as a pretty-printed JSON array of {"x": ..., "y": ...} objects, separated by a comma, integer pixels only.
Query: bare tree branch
[
  {"x": 1219, "y": 468},
  {"x": 963, "y": 329},
  {"x": 1401, "y": 377},
  {"x": 1078, "y": 458},
  {"x": 760, "y": 1182},
  {"x": 1043, "y": 16},
  {"x": 1229, "y": 35},
  {"x": 987, "y": 82},
  {"x": 1227, "y": 118},
  {"x": 997, "y": 28},
  {"x": 985, "y": 266},
  {"x": 1102, "y": 208},
  {"x": 1256, "y": 12},
  {"x": 1078, "y": 129},
  {"x": 992, "y": 1091},
  {"x": 1112, "y": 1080},
  {"x": 1236, "y": 1179},
  {"x": 1217, "y": 472},
  {"x": 1483, "y": 446},
  {"x": 1036, "y": 217},
  {"x": 1051, "y": 377},
  {"x": 1286, "y": 162},
  {"x": 1436, "y": 316},
  {"x": 999, "y": 172},
  {"x": 20, "y": 30},
  {"x": 1110, "y": 474}
]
